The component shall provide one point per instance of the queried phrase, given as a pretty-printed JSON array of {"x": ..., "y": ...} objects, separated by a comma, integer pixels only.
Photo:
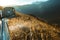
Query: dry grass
[{"x": 26, "y": 27}]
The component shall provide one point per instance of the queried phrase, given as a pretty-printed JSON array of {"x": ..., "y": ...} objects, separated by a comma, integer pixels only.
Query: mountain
[
  {"x": 1, "y": 7},
  {"x": 49, "y": 11}
]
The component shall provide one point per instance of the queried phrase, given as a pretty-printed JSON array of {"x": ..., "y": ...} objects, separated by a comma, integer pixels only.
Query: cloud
[{"x": 17, "y": 2}]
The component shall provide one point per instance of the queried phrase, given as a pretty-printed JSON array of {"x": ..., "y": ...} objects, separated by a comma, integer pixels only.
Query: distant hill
[
  {"x": 1, "y": 7},
  {"x": 49, "y": 11}
]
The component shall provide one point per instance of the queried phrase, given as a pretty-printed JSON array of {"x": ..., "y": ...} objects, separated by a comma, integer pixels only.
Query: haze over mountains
[{"x": 49, "y": 11}]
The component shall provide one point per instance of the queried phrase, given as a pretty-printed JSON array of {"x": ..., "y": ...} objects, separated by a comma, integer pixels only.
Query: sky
[{"x": 17, "y": 2}]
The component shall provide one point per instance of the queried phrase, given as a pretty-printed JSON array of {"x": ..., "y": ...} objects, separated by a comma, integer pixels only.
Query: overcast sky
[{"x": 17, "y": 2}]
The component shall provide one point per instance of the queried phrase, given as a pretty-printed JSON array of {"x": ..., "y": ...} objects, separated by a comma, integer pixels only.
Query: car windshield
[{"x": 48, "y": 11}]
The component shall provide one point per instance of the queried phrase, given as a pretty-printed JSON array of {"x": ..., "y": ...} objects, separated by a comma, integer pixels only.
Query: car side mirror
[{"x": 8, "y": 12}]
